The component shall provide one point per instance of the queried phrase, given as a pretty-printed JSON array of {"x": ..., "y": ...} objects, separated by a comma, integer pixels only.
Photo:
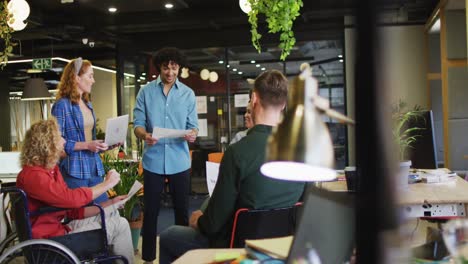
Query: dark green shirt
[{"x": 241, "y": 185}]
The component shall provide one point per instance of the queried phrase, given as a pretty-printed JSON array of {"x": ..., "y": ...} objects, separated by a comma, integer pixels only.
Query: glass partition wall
[{"x": 220, "y": 80}]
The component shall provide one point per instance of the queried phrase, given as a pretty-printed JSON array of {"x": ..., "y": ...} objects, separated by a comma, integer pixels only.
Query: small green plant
[
  {"x": 128, "y": 175},
  {"x": 280, "y": 16},
  {"x": 403, "y": 135},
  {"x": 5, "y": 34}
]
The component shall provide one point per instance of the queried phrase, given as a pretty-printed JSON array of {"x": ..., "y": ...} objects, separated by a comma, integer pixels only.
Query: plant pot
[
  {"x": 402, "y": 178},
  {"x": 135, "y": 229}
]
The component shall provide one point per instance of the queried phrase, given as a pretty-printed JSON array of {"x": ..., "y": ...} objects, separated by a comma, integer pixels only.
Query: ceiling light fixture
[
  {"x": 213, "y": 76},
  {"x": 220, "y": 62},
  {"x": 35, "y": 89},
  {"x": 245, "y": 6},
  {"x": 19, "y": 10},
  {"x": 168, "y": 5},
  {"x": 252, "y": 61},
  {"x": 84, "y": 41},
  {"x": 205, "y": 74},
  {"x": 112, "y": 9},
  {"x": 185, "y": 73},
  {"x": 258, "y": 65},
  {"x": 263, "y": 69}
]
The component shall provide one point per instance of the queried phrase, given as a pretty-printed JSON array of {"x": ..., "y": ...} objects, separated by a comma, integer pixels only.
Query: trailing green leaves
[
  {"x": 280, "y": 16},
  {"x": 5, "y": 34}
]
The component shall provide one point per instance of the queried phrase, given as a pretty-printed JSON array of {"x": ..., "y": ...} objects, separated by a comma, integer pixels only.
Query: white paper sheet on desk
[
  {"x": 212, "y": 170},
  {"x": 159, "y": 132},
  {"x": 135, "y": 188}
]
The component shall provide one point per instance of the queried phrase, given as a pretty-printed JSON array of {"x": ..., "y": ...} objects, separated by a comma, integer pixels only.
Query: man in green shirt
[{"x": 240, "y": 183}]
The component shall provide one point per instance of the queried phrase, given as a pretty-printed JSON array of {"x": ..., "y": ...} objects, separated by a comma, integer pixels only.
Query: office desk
[
  {"x": 448, "y": 199},
  {"x": 204, "y": 255}
]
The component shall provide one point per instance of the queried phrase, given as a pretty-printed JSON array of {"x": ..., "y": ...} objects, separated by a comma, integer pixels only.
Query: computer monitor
[
  {"x": 423, "y": 154},
  {"x": 326, "y": 228}
]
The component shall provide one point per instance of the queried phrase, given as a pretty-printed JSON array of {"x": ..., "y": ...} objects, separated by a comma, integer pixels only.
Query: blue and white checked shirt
[
  {"x": 176, "y": 111},
  {"x": 78, "y": 163}
]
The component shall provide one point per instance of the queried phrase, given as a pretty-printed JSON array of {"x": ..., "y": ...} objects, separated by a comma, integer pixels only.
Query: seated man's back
[{"x": 240, "y": 184}]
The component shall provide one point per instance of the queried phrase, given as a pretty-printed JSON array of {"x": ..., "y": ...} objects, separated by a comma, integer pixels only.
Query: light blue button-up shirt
[{"x": 177, "y": 110}]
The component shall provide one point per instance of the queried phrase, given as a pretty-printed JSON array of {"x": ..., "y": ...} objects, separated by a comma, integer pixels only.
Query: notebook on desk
[{"x": 326, "y": 228}]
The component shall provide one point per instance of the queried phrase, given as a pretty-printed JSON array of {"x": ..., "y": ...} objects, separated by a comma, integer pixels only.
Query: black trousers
[{"x": 179, "y": 186}]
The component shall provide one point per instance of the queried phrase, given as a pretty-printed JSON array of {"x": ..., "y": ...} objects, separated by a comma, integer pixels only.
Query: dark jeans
[
  {"x": 179, "y": 186},
  {"x": 176, "y": 240}
]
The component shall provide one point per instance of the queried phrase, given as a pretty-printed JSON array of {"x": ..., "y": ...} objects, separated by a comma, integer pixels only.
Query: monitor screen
[{"x": 423, "y": 153}]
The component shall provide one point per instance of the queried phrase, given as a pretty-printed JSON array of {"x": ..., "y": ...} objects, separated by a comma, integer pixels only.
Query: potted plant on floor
[
  {"x": 133, "y": 208},
  {"x": 404, "y": 136}
]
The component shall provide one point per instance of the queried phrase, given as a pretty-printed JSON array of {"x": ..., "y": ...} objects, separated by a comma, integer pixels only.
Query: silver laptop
[{"x": 325, "y": 234}]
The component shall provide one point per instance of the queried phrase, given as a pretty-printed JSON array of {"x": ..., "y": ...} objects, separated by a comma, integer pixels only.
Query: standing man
[
  {"x": 166, "y": 103},
  {"x": 240, "y": 183}
]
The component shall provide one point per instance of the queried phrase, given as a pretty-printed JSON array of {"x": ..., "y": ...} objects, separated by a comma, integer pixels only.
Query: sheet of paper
[
  {"x": 201, "y": 105},
  {"x": 212, "y": 170},
  {"x": 159, "y": 132},
  {"x": 241, "y": 100},
  {"x": 135, "y": 188},
  {"x": 116, "y": 130},
  {"x": 202, "y": 128}
]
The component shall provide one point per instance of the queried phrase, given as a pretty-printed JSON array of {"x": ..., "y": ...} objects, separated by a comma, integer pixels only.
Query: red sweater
[{"x": 46, "y": 187}]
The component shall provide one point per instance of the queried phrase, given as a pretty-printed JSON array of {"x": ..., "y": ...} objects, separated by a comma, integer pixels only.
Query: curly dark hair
[{"x": 166, "y": 55}]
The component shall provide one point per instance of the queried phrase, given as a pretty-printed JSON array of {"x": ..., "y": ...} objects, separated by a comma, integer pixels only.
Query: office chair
[
  {"x": 215, "y": 157},
  {"x": 263, "y": 223}
]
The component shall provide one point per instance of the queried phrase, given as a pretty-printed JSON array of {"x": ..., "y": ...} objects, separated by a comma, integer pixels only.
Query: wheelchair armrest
[{"x": 51, "y": 209}]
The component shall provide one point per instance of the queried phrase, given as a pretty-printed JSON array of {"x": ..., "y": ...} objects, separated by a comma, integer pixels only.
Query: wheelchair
[{"x": 83, "y": 247}]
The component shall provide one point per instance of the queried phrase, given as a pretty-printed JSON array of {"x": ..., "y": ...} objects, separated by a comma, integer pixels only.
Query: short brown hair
[
  {"x": 272, "y": 88},
  {"x": 40, "y": 145}
]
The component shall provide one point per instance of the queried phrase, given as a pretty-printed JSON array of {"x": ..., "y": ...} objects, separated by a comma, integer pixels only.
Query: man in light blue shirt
[{"x": 166, "y": 103}]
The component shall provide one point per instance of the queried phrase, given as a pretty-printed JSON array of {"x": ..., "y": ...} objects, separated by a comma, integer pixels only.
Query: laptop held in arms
[{"x": 325, "y": 234}]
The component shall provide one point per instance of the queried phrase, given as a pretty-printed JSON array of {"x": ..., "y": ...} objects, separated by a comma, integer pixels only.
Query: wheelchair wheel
[
  {"x": 38, "y": 251},
  {"x": 8, "y": 242}
]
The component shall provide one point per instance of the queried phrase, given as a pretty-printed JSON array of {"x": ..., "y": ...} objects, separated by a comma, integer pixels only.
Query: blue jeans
[
  {"x": 74, "y": 183},
  {"x": 176, "y": 240}
]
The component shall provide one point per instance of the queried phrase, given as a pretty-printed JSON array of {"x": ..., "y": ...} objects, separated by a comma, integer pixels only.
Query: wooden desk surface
[
  {"x": 419, "y": 193},
  {"x": 204, "y": 255}
]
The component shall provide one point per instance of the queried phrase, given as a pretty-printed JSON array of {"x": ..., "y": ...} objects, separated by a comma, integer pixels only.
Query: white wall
[
  {"x": 402, "y": 64},
  {"x": 401, "y": 70},
  {"x": 104, "y": 96}
]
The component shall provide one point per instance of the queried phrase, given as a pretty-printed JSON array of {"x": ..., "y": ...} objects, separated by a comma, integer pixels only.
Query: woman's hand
[
  {"x": 97, "y": 145},
  {"x": 118, "y": 199},
  {"x": 112, "y": 178}
]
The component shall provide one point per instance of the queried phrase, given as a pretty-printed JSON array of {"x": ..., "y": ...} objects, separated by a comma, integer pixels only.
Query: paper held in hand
[
  {"x": 135, "y": 188},
  {"x": 159, "y": 132},
  {"x": 116, "y": 130}
]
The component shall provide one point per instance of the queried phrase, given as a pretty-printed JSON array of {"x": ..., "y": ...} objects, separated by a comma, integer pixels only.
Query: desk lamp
[{"x": 300, "y": 148}]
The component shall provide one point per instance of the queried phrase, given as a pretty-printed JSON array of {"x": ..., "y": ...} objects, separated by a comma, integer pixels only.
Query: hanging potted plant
[
  {"x": 133, "y": 208},
  {"x": 7, "y": 45},
  {"x": 280, "y": 16},
  {"x": 404, "y": 136}
]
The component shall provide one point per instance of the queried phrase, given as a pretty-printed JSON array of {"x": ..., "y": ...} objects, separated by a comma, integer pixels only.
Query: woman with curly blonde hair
[
  {"x": 42, "y": 181},
  {"x": 82, "y": 165}
]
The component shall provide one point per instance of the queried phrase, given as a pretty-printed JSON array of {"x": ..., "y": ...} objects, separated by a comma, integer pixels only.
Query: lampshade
[
  {"x": 300, "y": 149},
  {"x": 35, "y": 89}
]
